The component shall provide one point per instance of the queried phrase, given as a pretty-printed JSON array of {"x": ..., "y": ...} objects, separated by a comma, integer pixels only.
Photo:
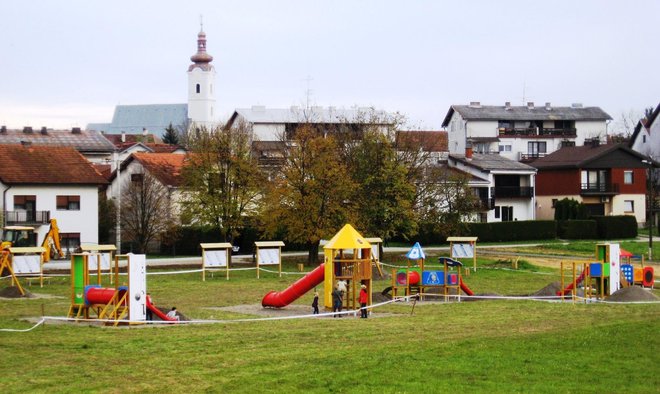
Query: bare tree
[{"x": 146, "y": 213}]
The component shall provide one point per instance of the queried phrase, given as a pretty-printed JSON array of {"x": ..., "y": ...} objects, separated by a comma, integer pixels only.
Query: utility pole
[{"x": 650, "y": 202}]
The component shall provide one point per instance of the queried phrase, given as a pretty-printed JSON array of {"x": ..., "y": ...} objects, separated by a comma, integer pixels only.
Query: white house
[
  {"x": 40, "y": 183},
  {"x": 522, "y": 133},
  {"x": 646, "y": 137},
  {"x": 506, "y": 185},
  {"x": 274, "y": 124}
]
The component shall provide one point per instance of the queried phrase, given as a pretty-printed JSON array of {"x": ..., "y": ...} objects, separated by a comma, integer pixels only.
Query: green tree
[
  {"x": 222, "y": 182},
  {"x": 384, "y": 199},
  {"x": 171, "y": 136},
  {"x": 447, "y": 201},
  {"x": 309, "y": 200},
  {"x": 107, "y": 218}
]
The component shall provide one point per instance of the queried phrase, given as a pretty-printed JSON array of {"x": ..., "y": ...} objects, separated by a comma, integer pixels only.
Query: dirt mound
[
  {"x": 13, "y": 292},
  {"x": 549, "y": 290},
  {"x": 633, "y": 294}
]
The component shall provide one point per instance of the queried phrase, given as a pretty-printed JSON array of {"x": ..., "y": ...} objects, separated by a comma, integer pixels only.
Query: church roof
[{"x": 134, "y": 119}]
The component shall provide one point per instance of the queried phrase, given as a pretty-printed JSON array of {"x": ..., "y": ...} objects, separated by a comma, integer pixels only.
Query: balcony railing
[
  {"x": 599, "y": 188},
  {"x": 13, "y": 218},
  {"x": 534, "y": 131},
  {"x": 527, "y": 157},
  {"x": 512, "y": 192}
]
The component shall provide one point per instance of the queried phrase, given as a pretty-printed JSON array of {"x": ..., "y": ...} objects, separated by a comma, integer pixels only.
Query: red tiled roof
[
  {"x": 46, "y": 165},
  {"x": 131, "y": 139},
  {"x": 430, "y": 141},
  {"x": 166, "y": 167}
]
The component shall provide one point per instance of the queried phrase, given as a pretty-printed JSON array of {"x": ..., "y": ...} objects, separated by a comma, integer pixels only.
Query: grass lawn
[{"x": 484, "y": 346}]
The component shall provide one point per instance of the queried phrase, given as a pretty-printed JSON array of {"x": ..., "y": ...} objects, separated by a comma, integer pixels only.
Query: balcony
[
  {"x": 599, "y": 189},
  {"x": 569, "y": 132},
  {"x": 529, "y": 157},
  {"x": 27, "y": 218},
  {"x": 512, "y": 191}
]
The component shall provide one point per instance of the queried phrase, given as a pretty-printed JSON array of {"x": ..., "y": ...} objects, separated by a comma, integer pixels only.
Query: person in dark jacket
[
  {"x": 337, "y": 299},
  {"x": 315, "y": 303}
]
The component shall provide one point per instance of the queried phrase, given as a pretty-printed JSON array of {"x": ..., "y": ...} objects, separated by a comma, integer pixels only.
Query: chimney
[
  {"x": 3, "y": 130},
  {"x": 507, "y": 105},
  {"x": 145, "y": 132},
  {"x": 123, "y": 136},
  {"x": 548, "y": 107},
  {"x": 475, "y": 104},
  {"x": 44, "y": 130},
  {"x": 27, "y": 130},
  {"x": 530, "y": 105},
  {"x": 76, "y": 130},
  {"x": 468, "y": 150}
]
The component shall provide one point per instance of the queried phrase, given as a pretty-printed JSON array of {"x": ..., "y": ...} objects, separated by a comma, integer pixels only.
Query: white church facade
[{"x": 155, "y": 118}]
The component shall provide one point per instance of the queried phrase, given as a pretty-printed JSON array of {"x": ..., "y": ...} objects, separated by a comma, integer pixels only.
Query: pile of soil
[
  {"x": 633, "y": 294},
  {"x": 13, "y": 292},
  {"x": 549, "y": 290}
]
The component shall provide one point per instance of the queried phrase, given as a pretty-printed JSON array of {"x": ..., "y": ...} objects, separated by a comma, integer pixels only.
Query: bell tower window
[{"x": 197, "y": 88}]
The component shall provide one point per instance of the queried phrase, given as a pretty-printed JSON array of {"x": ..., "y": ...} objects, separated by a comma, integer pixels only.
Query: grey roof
[
  {"x": 495, "y": 112},
  {"x": 84, "y": 141},
  {"x": 261, "y": 114},
  {"x": 492, "y": 162},
  {"x": 134, "y": 118}
]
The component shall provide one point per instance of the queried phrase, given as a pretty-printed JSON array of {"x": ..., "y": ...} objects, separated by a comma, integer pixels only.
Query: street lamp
[
  {"x": 117, "y": 163},
  {"x": 650, "y": 203}
]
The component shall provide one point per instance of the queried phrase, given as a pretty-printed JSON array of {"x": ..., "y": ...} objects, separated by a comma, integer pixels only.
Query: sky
[{"x": 67, "y": 63}]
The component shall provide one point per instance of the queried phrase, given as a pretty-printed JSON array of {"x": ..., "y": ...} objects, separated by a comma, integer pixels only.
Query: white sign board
[
  {"x": 137, "y": 296},
  {"x": 268, "y": 256},
  {"x": 26, "y": 264},
  {"x": 215, "y": 258},
  {"x": 92, "y": 261},
  {"x": 462, "y": 250}
]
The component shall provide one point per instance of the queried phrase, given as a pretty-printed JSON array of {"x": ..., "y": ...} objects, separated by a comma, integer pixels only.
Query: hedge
[
  {"x": 577, "y": 229},
  {"x": 514, "y": 231},
  {"x": 616, "y": 227}
]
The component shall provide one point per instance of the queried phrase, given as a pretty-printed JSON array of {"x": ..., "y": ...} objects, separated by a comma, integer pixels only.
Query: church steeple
[
  {"x": 201, "y": 59},
  {"x": 201, "y": 77}
]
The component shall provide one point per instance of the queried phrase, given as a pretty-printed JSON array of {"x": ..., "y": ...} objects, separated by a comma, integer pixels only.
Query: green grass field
[{"x": 482, "y": 346}]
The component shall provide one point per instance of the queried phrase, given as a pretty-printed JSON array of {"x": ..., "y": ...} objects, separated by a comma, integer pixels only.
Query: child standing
[{"x": 315, "y": 303}]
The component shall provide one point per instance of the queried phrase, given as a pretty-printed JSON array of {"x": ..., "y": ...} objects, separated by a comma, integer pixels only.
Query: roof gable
[
  {"x": 166, "y": 167},
  {"x": 46, "y": 166}
]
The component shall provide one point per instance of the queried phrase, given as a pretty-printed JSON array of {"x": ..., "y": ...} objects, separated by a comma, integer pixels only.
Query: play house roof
[
  {"x": 347, "y": 238},
  {"x": 416, "y": 252}
]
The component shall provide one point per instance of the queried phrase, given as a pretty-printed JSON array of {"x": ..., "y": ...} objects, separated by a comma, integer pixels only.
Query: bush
[
  {"x": 514, "y": 231},
  {"x": 577, "y": 229},
  {"x": 616, "y": 227}
]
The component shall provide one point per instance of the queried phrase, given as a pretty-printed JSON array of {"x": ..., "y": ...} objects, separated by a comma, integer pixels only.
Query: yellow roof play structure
[
  {"x": 347, "y": 238},
  {"x": 347, "y": 258}
]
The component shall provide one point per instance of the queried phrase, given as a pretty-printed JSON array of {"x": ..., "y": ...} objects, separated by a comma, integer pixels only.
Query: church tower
[{"x": 201, "y": 80}]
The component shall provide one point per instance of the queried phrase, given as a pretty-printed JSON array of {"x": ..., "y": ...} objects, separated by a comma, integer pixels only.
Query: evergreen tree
[{"x": 171, "y": 137}]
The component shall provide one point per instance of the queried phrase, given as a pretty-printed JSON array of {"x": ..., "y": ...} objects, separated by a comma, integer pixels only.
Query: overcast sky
[{"x": 67, "y": 63}]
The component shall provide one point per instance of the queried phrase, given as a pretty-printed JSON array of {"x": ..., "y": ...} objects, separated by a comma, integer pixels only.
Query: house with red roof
[
  {"x": 40, "y": 183},
  {"x": 609, "y": 179}
]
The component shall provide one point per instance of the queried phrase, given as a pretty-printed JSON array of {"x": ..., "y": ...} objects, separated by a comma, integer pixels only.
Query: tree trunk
[{"x": 313, "y": 253}]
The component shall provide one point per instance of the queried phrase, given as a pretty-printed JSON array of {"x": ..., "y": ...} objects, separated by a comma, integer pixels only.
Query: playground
[{"x": 515, "y": 341}]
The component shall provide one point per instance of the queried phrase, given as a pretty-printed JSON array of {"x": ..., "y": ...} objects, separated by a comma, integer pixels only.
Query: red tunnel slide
[
  {"x": 466, "y": 289},
  {"x": 279, "y": 299},
  {"x": 568, "y": 288}
]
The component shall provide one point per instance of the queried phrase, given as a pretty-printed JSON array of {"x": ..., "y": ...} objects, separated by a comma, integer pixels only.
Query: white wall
[
  {"x": 589, "y": 129},
  {"x": 84, "y": 221},
  {"x": 268, "y": 131},
  {"x": 201, "y": 106}
]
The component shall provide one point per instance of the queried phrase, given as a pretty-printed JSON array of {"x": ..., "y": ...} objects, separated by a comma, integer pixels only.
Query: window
[
  {"x": 497, "y": 212},
  {"x": 137, "y": 178},
  {"x": 507, "y": 214},
  {"x": 505, "y": 148},
  {"x": 68, "y": 203},
  {"x": 628, "y": 177},
  {"x": 536, "y": 148},
  {"x": 25, "y": 203},
  {"x": 70, "y": 242},
  {"x": 198, "y": 88},
  {"x": 629, "y": 206}
]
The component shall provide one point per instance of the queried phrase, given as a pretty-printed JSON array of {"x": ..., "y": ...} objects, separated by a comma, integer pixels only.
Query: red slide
[
  {"x": 466, "y": 289},
  {"x": 570, "y": 286},
  {"x": 279, "y": 299},
  {"x": 162, "y": 316}
]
